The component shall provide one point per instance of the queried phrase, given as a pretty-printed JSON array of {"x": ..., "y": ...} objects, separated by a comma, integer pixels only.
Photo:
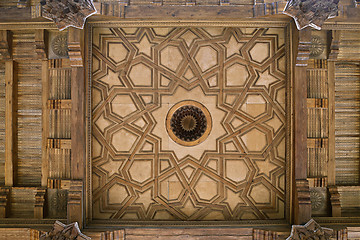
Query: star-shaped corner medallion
[
  {"x": 311, "y": 230},
  {"x": 62, "y": 231},
  {"x": 68, "y": 13},
  {"x": 311, "y": 13}
]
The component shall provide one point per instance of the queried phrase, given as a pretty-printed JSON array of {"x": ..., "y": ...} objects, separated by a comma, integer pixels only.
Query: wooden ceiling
[{"x": 65, "y": 96}]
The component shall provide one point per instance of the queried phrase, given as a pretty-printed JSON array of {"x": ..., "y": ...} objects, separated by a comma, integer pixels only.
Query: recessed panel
[{"x": 157, "y": 90}]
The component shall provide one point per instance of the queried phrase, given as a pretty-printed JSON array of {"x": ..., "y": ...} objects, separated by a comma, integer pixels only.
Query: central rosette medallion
[{"x": 188, "y": 123}]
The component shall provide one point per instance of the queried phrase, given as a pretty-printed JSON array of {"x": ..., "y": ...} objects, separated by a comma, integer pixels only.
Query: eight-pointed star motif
[
  {"x": 311, "y": 13},
  {"x": 68, "y": 13}
]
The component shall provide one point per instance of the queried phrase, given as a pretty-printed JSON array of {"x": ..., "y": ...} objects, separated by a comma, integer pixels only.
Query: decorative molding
[
  {"x": 311, "y": 13},
  {"x": 335, "y": 201},
  {"x": 40, "y": 46},
  {"x": 311, "y": 230},
  {"x": 62, "y": 231},
  {"x": 5, "y": 45},
  {"x": 55, "y": 143},
  {"x": 68, "y": 13},
  {"x": 4, "y": 201},
  {"x": 113, "y": 9},
  {"x": 75, "y": 200},
  {"x": 334, "y": 46},
  {"x": 303, "y": 48},
  {"x": 259, "y": 234},
  {"x": 59, "y": 104},
  {"x": 39, "y": 203},
  {"x": 75, "y": 49}
]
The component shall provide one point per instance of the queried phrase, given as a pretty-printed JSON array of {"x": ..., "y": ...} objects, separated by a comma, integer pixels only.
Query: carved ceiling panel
[{"x": 236, "y": 172}]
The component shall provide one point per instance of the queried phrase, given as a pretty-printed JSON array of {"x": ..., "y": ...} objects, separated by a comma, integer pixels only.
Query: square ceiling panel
[{"x": 188, "y": 123}]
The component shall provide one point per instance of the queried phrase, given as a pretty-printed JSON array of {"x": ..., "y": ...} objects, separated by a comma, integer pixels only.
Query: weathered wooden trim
[
  {"x": 4, "y": 201},
  {"x": 5, "y": 45},
  {"x": 40, "y": 43},
  {"x": 78, "y": 124},
  {"x": 15, "y": 14},
  {"x": 75, "y": 201},
  {"x": 59, "y": 104},
  {"x": 331, "y": 97},
  {"x": 56, "y": 143},
  {"x": 45, "y": 123},
  {"x": 335, "y": 201},
  {"x": 334, "y": 46},
  {"x": 302, "y": 203},
  {"x": 317, "y": 142},
  {"x": 75, "y": 47},
  {"x": 10, "y": 127},
  {"x": 39, "y": 203}
]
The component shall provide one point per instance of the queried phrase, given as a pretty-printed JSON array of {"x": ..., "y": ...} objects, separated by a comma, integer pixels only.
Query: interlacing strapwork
[{"x": 237, "y": 172}]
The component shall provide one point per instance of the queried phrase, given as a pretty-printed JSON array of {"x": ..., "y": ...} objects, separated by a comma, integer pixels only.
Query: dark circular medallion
[{"x": 188, "y": 123}]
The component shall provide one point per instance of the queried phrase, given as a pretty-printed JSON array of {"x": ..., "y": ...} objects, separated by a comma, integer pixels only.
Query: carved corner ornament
[
  {"x": 311, "y": 230},
  {"x": 68, "y": 13},
  {"x": 311, "y": 13},
  {"x": 64, "y": 232}
]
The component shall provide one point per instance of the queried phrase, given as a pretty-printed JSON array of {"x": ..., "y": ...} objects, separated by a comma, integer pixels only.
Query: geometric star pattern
[{"x": 139, "y": 173}]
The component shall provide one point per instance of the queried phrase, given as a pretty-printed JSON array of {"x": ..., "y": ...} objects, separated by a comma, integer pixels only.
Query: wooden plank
[
  {"x": 45, "y": 123},
  {"x": 188, "y": 12},
  {"x": 300, "y": 96},
  {"x": 190, "y": 232},
  {"x": 9, "y": 124},
  {"x": 78, "y": 123},
  {"x": 331, "y": 159},
  {"x": 15, "y": 14},
  {"x": 302, "y": 211}
]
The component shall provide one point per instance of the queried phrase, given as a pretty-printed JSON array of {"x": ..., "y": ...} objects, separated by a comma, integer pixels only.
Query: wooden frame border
[{"x": 289, "y": 135}]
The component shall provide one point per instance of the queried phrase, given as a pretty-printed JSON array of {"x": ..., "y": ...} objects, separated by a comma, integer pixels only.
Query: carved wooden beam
[
  {"x": 40, "y": 45},
  {"x": 259, "y": 234},
  {"x": 302, "y": 206},
  {"x": 335, "y": 201},
  {"x": 10, "y": 127},
  {"x": 74, "y": 208},
  {"x": 5, "y": 45},
  {"x": 334, "y": 47},
  {"x": 311, "y": 230},
  {"x": 56, "y": 143},
  {"x": 39, "y": 203},
  {"x": 75, "y": 48},
  {"x": 59, "y": 104},
  {"x": 113, "y": 9}
]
